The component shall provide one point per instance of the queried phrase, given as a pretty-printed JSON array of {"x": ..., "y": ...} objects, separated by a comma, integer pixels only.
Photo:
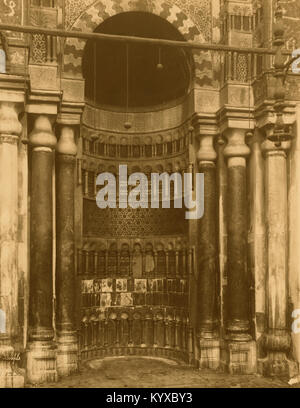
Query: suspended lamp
[{"x": 159, "y": 65}]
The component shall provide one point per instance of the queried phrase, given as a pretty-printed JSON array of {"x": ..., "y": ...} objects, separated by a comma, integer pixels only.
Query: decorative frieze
[
  {"x": 118, "y": 146},
  {"x": 138, "y": 259},
  {"x": 163, "y": 119},
  {"x": 198, "y": 11}
]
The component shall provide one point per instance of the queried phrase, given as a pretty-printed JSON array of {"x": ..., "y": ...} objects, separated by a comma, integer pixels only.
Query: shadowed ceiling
[{"x": 147, "y": 85}]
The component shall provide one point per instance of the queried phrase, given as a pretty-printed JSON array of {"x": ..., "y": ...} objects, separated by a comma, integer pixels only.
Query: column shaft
[
  {"x": 236, "y": 152},
  {"x": 238, "y": 282},
  {"x": 241, "y": 350},
  {"x": 277, "y": 340},
  {"x": 10, "y": 129},
  {"x": 208, "y": 252},
  {"x": 8, "y": 232},
  {"x": 207, "y": 258},
  {"x": 294, "y": 237},
  {"x": 65, "y": 242},
  {"x": 222, "y": 226},
  {"x": 40, "y": 300},
  {"x": 65, "y": 253},
  {"x": 41, "y": 358},
  {"x": 276, "y": 190},
  {"x": 258, "y": 232}
]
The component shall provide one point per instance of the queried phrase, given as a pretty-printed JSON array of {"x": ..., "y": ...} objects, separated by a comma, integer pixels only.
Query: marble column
[
  {"x": 241, "y": 350},
  {"x": 222, "y": 226},
  {"x": 67, "y": 348},
  {"x": 41, "y": 354},
  {"x": 207, "y": 258},
  {"x": 294, "y": 237},
  {"x": 257, "y": 235},
  {"x": 277, "y": 342},
  {"x": 10, "y": 130}
]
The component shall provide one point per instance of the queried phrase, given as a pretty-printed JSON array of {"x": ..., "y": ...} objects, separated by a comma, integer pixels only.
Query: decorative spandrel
[
  {"x": 11, "y": 12},
  {"x": 199, "y": 11}
]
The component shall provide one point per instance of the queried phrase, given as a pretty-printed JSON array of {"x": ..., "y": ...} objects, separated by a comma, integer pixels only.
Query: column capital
[
  {"x": 206, "y": 151},
  {"x": 66, "y": 143},
  {"x": 10, "y": 127},
  {"x": 236, "y": 147},
  {"x": 42, "y": 134},
  {"x": 269, "y": 148}
]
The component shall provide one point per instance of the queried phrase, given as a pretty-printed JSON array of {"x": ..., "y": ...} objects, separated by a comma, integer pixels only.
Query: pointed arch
[{"x": 91, "y": 18}]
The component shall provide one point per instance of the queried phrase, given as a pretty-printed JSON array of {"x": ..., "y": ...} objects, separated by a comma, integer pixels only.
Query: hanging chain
[
  {"x": 95, "y": 83},
  {"x": 159, "y": 66},
  {"x": 127, "y": 123}
]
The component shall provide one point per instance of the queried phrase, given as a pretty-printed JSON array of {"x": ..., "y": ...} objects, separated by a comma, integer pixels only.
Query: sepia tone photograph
[{"x": 149, "y": 196}]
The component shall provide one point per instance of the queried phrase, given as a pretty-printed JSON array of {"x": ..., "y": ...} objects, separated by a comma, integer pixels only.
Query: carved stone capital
[
  {"x": 236, "y": 149},
  {"x": 66, "y": 143},
  {"x": 269, "y": 148},
  {"x": 10, "y": 127},
  {"x": 206, "y": 152},
  {"x": 42, "y": 135}
]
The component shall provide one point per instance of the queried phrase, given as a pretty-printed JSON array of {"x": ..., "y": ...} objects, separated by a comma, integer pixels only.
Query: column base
[
  {"x": 276, "y": 364},
  {"x": 239, "y": 357},
  {"x": 41, "y": 362},
  {"x": 277, "y": 344},
  {"x": 10, "y": 375},
  {"x": 67, "y": 353},
  {"x": 209, "y": 353}
]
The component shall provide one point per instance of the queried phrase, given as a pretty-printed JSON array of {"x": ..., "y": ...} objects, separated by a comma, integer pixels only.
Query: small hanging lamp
[
  {"x": 159, "y": 65},
  {"x": 191, "y": 133}
]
